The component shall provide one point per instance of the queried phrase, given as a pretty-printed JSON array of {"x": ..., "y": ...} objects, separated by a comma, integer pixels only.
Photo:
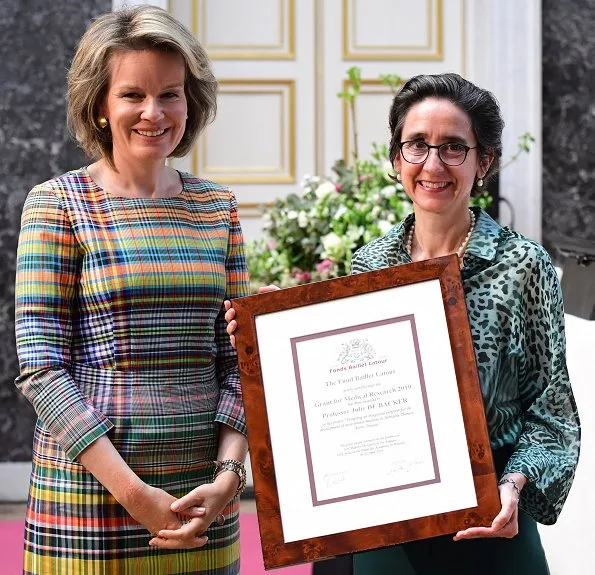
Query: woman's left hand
[
  {"x": 505, "y": 524},
  {"x": 200, "y": 508}
]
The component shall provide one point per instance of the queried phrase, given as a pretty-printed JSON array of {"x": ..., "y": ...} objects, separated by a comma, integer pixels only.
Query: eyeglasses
[{"x": 450, "y": 153}]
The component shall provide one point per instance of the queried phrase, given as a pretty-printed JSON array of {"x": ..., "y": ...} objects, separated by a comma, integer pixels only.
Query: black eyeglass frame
[{"x": 438, "y": 147}]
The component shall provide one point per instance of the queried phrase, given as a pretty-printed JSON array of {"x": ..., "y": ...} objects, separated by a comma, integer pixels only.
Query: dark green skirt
[{"x": 443, "y": 556}]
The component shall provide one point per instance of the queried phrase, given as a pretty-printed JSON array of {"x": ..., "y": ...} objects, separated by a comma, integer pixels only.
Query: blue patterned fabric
[{"x": 516, "y": 315}]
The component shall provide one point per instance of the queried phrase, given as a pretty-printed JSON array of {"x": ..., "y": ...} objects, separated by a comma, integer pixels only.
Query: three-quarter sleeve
[
  {"x": 230, "y": 410},
  {"x": 46, "y": 284},
  {"x": 548, "y": 448}
]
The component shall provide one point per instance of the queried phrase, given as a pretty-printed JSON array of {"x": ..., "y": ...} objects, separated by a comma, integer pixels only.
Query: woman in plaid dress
[{"x": 123, "y": 266}]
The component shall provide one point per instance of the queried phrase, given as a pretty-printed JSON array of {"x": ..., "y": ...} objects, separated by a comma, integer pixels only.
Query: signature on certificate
[
  {"x": 334, "y": 479},
  {"x": 403, "y": 466}
]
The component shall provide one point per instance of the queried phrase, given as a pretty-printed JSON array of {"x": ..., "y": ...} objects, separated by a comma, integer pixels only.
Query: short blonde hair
[{"x": 135, "y": 28}]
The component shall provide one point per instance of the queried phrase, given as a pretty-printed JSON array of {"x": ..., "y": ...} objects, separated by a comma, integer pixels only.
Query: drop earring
[{"x": 479, "y": 183}]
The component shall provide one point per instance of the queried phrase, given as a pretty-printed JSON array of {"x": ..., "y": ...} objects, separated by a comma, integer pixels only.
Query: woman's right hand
[
  {"x": 151, "y": 507},
  {"x": 230, "y": 313}
]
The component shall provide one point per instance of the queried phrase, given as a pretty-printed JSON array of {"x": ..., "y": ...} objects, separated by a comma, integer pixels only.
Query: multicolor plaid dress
[{"x": 120, "y": 331}]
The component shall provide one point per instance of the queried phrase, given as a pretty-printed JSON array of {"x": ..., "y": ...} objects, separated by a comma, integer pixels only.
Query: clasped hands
[{"x": 182, "y": 523}]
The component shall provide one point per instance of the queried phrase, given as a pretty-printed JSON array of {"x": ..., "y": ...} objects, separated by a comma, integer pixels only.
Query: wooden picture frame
[{"x": 415, "y": 463}]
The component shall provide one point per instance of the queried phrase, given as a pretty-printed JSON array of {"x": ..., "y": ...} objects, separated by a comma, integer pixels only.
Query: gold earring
[{"x": 102, "y": 122}]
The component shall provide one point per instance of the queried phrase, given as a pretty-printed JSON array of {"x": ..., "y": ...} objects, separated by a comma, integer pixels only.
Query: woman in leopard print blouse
[{"x": 446, "y": 141}]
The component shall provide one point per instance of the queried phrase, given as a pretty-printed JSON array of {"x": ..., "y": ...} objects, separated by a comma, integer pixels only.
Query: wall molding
[
  {"x": 283, "y": 50},
  {"x": 284, "y": 89},
  {"x": 433, "y": 49}
]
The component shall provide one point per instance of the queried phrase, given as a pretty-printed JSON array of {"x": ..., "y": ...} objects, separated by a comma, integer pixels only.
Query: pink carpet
[
  {"x": 11, "y": 549},
  {"x": 251, "y": 553}
]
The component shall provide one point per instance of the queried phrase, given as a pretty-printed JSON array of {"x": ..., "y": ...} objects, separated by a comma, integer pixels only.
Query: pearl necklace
[{"x": 462, "y": 248}]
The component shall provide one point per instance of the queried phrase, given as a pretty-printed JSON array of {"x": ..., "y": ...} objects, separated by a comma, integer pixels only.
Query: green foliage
[
  {"x": 392, "y": 81},
  {"x": 354, "y": 75},
  {"x": 524, "y": 144}
]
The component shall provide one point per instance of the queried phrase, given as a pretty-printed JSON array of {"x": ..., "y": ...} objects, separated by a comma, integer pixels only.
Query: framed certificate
[{"x": 365, "y": 418}]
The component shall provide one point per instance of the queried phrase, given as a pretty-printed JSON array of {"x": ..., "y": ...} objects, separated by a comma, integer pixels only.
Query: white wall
[{"x": 569, "y": 543}]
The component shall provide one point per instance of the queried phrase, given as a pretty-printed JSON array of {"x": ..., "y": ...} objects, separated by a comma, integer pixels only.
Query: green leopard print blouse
[{"x": 516, "y": 315}]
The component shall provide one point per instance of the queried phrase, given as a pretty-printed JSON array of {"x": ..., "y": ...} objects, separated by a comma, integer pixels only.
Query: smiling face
[
  {"x": 145, "y": 105},
  {"x": 432, "y": 185}
]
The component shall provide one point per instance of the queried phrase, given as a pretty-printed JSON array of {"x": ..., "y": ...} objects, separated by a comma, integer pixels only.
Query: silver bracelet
[
  {"x": 232, "y": 465},
  {"x": 514, "y": 484}
]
